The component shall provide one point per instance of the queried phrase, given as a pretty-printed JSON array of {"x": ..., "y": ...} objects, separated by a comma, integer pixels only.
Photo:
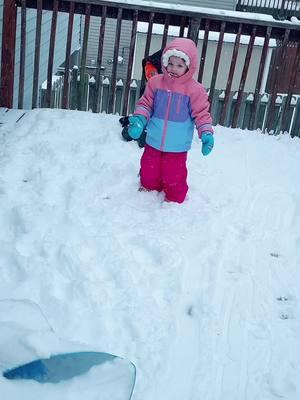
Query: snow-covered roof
[
  {"x": 212, "y": 12},
  {"x": 158, "y": 29}
]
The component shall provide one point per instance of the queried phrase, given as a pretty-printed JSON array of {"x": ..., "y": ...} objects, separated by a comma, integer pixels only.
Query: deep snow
[{"x": 202, "y": 297}]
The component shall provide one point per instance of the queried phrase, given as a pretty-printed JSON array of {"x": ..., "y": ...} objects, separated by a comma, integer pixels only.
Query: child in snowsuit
[
  {"x": 172, "y": 104},
  {"x": 151, "y": 66}
]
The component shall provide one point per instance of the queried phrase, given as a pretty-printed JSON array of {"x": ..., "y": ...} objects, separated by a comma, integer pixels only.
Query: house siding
[
  {"x": 108, "y": 46},
  {"x": 59, "y": 54},
  {"x": 209, "y": 62}
]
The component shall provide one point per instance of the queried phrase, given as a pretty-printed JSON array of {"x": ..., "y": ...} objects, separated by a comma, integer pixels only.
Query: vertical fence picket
[
  {"x": 105, "y": 94},
  {"x": 193, "y": 30},
  {"x": 132, "y": 96},
  {"x": 147, "y": 45},
  {"x": 22, "y": 55},
  {"x": 230, "y": 75},
  {"x": 98, "y": 84},
  {"x": 166, "y": 29},
  {"x": 37, "y": 50},
  {"x": 8, "y": 53},
  {"x": 73, "y": 88},
  {"x": 65, "y": 98},
  {"x": 92, "y": 94},
  {"x": 252, "y": 122},
  {"x": 216, "y": 64},
  {"x": 277, "y": 112},
  {"x": 292, "y": 83},
  {"x": 51, "y": 53},
  {"x": 84, "y": 94},
  {"x": 149, "y": 34},
  {"x": 115, "y": 62},
  {"x": 236, "y": 113},
  {"x": 220, "y": 96},
  {"x": 130, "y": 63},
  {"x": 295, "y": 129},
  {"x": 204, "y": 50},
  {"x": 182, "y": 26},
  {"x": 247, "y": 110},
  {"x": 82, "y": 83},
  {"x": 119, "y": 95},
  {"x": 274, "y": 87},
  {"x": 262, "y": 111}
]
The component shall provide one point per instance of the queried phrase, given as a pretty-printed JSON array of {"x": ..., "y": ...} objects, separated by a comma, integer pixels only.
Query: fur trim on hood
[
  {"x": 176, "y": 53},
  {"x": 185, "y": 49}
]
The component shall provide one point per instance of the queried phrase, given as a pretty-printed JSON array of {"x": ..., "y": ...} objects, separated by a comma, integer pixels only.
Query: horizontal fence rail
[{"x": 79, "y": 89}]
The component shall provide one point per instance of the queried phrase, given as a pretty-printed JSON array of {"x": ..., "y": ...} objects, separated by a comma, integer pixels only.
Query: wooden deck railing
[
  {"x": 284, "y": 32},
  {"x": 279, "y": 9}
]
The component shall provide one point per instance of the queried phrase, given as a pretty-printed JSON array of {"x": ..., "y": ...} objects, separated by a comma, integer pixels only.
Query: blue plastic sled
[{"x": 65, "y": 366}]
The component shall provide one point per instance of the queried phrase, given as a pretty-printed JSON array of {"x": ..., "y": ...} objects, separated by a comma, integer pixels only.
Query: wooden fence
[
  {"x": 85, "y": 97},
  {"x": 231, "y": 111},
  {"x": 280, "y": 9},
  {"x": 216, "y": 110}
]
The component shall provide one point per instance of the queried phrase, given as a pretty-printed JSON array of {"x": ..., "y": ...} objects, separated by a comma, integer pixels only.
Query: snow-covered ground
[{"x": 202, "y": 297}]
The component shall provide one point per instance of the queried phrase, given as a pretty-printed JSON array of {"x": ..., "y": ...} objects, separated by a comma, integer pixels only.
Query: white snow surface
[{"x": 202, "y": 297}]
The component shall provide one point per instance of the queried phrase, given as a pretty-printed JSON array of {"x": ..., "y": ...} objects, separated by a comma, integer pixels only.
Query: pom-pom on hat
[{"x": 175, "y": 53}]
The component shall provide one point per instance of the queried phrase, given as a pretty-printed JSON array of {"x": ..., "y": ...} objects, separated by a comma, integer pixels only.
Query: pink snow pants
[{"x": 164, "y": 171}]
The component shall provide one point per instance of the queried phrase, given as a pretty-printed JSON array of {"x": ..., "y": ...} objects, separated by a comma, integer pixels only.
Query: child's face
[{"x": 176, "y": 67}]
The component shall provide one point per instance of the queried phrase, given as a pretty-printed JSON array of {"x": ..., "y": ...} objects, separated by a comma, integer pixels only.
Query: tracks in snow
[{"x": 243, "y": 295}]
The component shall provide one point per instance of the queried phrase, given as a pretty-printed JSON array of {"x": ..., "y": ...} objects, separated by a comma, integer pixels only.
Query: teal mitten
[
  {"x": 136, "y": 126},
  {"x": 207, "y": 143}
]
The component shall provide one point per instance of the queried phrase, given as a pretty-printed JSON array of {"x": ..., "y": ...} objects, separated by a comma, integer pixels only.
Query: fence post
[
  {"x": 249, "y": 98},
  {"x": 74, "y": 89},
  {"x": 42, "y": 98},
  {"x": 105, "y": 94},
  {"x": 219, "y": 104},
  {"x": 284, "y": 113},
  {"x": 83, "y": 79},
  {"x": 84, "y": 91},
  {"x": 260, "y": 119},
  {"x": 8, "y": 53},
  {"x": 132, "y": 96},
  {"x": 92, "y": 93},
  {"x": 295, "y": 129},
  {"x": 119, "y": 96}
]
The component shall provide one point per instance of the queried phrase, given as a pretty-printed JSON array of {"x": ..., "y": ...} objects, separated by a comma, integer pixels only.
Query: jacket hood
[{"x": 188, "y": 47}]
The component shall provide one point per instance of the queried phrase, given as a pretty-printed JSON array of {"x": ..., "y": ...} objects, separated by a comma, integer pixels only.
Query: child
[{"x": 172, "y": 104}]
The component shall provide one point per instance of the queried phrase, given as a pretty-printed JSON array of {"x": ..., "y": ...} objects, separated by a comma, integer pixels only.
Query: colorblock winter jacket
[{"x": 174, "y": 106}]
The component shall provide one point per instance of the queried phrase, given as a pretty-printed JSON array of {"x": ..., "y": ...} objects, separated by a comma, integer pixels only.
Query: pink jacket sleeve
[
  {"x": 200, "y": 111},
  {"x": 144, "y": 105}
]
